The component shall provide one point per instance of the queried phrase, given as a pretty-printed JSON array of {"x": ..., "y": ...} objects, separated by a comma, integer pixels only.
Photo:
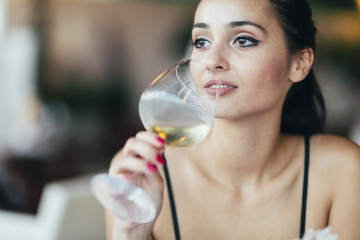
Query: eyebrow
[
  {"x": 244, "y": 23},
  {"x": 201, "y": 25},
  {"x": 232, "y": 25}
]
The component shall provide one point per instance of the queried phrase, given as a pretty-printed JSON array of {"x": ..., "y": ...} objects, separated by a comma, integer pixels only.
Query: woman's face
[{"x": 245, "y": 44}]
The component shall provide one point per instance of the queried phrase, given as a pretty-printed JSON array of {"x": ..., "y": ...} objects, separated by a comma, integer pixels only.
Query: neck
[{"x": 242, "y": 152}]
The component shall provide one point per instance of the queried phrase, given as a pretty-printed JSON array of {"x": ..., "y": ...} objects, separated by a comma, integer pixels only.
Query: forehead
[{"x": 219, "y": 12}]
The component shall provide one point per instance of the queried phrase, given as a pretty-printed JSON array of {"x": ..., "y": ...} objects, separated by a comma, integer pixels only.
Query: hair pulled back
[{"x": 304, "y": 107}]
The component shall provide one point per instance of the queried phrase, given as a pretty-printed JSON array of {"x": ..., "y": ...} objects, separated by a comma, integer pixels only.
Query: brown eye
[
  {"x": 241, "y": 41},
  {"x": 200, "y": 43},
  {"x": 245, "y": 41}
]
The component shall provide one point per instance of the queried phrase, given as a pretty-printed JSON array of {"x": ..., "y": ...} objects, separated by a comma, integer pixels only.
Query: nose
[{"x": 217, "y": 59}]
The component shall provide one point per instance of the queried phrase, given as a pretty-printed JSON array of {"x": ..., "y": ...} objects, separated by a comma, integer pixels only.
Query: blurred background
[{"x": 71, "y": 74}]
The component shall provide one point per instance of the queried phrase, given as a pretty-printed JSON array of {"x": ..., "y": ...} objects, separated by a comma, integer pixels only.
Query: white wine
[
  {"x": 181, "y": 122},
  {"x": 181, "y": 136},
  {"x": 161, "y": 109}
]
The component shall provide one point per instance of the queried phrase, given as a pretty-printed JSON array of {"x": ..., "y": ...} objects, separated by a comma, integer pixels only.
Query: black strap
[
  {"x": 304, "y": 193},
  {"x": 172, "y": 203},
  {"x": 305, "y": 185}
]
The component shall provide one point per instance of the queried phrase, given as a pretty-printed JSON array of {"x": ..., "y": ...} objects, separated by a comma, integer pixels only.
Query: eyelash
[
  {"x": 197, "y": 41},
  {"x": 253, "y": 42}
]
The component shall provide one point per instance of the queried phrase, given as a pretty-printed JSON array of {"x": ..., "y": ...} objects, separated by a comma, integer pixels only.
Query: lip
[{"x": 212, "y": 87}]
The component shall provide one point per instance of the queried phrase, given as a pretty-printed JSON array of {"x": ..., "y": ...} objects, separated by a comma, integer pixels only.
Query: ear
[{"x": 301, "y": 64}]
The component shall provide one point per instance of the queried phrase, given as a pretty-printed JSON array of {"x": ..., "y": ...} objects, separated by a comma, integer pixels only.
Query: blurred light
[
  {"x": 358, "y": 4},
  {"x": 340, "y": 26}
]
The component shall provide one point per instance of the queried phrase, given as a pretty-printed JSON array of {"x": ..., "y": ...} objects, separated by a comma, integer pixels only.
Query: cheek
[
  {"x": 267, "y": 80},
  {"x": 273, "y": 74}
]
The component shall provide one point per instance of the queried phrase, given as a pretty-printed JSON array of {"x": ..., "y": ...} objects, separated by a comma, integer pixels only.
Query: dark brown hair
[{"x": 304, "y": 107}]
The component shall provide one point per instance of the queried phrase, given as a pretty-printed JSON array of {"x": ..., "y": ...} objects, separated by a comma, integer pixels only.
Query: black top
[{"x": 304, "y": 193}]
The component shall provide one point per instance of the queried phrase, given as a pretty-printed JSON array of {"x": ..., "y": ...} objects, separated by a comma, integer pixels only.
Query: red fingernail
[
  {"x": 160, "y": 159},
  {"x": 127, "y": 176},
  {"x": 160, "y": 140},
  {"x": 152, "y": 167}
]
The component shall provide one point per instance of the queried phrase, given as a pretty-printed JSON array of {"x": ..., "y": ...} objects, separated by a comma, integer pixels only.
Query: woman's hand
[{"x": 139, "y": 162}]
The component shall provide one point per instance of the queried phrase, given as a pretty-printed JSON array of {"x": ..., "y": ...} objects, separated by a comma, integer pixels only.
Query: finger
[
  {"x": 142, "y": 149},
  {"x": 133, "y": 165},
  {"x": 151, "y": 138}
]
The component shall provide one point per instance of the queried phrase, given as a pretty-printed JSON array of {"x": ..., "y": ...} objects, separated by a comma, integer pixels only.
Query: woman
[{"x": 247, "y": 179}]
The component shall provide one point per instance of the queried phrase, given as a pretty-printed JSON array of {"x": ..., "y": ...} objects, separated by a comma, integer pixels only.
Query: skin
[{"x": 244, "y": 181}]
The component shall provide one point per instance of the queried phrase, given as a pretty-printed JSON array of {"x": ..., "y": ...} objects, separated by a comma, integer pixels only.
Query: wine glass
[{"x": 179, "y": 105}]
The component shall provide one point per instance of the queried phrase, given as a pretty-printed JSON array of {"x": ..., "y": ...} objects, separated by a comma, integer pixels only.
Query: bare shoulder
[
  {"x": 334, "y": 161},
  {"x": 336, "y": 149},
  {"x": 336, "y": 166},
  {"x": 328, "y": 140}
]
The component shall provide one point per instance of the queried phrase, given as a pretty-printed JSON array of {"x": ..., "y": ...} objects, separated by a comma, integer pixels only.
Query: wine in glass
[{"x": 179, "y": 105}]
